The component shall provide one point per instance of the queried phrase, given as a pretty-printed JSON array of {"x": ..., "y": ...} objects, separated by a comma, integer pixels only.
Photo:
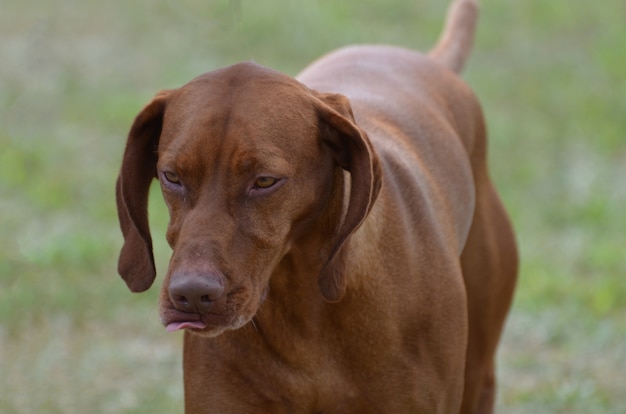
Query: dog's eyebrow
[{"x": 255, "y": 160}]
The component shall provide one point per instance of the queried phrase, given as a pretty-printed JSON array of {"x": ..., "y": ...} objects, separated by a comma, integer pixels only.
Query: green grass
[{"x": 551, "y": 76}]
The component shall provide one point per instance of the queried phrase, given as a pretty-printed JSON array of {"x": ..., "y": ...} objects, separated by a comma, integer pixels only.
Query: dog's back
[{"x": 428, "y": 129}]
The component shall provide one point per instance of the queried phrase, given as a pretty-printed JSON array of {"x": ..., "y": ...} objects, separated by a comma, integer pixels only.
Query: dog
[{"x": 338, "y": 245}]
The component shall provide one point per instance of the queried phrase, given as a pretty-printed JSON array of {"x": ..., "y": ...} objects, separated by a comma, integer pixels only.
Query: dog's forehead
[
  {"x": 245, "y": 95},
  {"x": 244, "y": 86},
  {"x": 245, "y": 112}
]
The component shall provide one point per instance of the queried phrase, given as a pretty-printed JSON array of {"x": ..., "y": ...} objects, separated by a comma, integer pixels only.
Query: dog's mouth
[
  {"x": 175, "y": 320},
  {"x": 235, "y": 311},
  {"x": 209, "y": 324},
  {"x": 177, "y": 326}
]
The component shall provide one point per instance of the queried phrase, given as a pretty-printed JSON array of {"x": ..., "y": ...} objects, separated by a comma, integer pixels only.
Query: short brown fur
[{"x": 338, "y": 246}]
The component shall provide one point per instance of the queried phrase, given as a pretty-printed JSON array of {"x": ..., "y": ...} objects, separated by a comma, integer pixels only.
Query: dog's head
[{"x": 249, "y": 161}]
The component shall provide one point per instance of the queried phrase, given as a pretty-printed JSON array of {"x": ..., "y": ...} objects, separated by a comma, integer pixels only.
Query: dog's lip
[
  {"x": 216, "y": 321},
  {"x": 175, "y": 320},
  {"x": 175, "y": 326}
]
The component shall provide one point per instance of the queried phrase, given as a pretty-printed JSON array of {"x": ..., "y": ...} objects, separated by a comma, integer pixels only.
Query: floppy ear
[
  {"x": 354, "y": 153},
  {"x": 136, "y": 261}
]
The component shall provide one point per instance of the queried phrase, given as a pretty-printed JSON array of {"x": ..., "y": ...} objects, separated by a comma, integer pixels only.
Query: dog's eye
[
  {"x": 265, "y": 182},
  {"x": 171, "y": 177}
]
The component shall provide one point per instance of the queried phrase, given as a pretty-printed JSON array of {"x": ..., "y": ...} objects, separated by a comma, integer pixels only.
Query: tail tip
[{"x": 454, "y": 45}]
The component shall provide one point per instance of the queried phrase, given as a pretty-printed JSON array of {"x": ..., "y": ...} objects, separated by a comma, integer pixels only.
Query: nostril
[{"x": 182, "y": 300}]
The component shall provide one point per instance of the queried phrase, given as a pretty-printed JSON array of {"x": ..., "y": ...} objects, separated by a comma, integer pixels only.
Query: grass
[{"x": 74, "y": 74}]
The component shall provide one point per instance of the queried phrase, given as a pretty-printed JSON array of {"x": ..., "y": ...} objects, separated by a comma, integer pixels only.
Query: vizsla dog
[{"x": 338, "y": 246}]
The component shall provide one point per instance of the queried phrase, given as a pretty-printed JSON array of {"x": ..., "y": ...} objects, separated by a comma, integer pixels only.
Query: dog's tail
[{"x": 457, "y": 38}]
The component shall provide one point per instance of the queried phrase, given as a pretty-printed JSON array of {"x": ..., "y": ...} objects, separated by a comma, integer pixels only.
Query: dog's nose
[{"x": 195, "y": 293}]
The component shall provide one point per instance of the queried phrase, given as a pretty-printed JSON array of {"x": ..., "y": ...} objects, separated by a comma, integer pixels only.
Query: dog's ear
[
  {"x": 354, "y": 153},
  {"x": 136, "y": 260}
]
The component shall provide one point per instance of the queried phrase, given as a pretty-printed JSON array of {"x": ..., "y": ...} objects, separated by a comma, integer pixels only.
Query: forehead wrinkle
[
  {"x": 194, "y": 148},
  {"x": 262, "y": 161}
]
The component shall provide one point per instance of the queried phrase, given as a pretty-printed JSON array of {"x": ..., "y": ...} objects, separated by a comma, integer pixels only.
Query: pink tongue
[{"x": 175, "y": 326}]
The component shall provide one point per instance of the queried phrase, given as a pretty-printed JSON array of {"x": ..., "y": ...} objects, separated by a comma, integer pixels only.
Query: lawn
[{"x": 552, "y": 80}]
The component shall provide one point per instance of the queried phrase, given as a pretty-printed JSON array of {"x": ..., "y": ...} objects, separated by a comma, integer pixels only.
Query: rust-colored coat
[{"x": 338, "y": 246}]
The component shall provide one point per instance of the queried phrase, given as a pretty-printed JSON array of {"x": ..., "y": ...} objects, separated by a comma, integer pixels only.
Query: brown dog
[{"x": 338, "y": 246}]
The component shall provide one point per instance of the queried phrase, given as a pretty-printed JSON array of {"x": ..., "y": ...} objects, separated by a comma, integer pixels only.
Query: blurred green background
[{"x": 550, "y": 74}]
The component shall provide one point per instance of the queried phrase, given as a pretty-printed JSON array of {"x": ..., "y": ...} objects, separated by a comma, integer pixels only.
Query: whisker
[{"x": 256, "y": 328}]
